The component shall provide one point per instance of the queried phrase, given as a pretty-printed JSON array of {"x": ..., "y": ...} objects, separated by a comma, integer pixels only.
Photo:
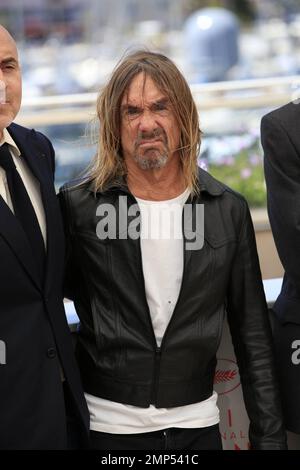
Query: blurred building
[
  {"x": 37, "y": 19},
  {"x": 75, "y": 19},
  {"x": 284, "y": 9}
]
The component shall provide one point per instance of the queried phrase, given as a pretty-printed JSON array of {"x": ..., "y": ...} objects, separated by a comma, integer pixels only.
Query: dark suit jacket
[
  {"x": 33, "y": 325},
  {"x": 280, "y": 135}
]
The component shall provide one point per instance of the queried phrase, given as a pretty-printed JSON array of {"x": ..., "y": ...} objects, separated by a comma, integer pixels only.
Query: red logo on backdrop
[
  {"x": 231, "y": 435},
  {"x": 227, "y": 376}
]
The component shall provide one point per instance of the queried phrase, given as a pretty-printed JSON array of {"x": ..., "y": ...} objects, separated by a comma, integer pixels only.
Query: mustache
[{"x": 153, "y": 135}]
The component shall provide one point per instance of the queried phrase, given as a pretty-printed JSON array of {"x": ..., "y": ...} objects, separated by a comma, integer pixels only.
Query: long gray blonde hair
[{"x": 108, "y": 166}]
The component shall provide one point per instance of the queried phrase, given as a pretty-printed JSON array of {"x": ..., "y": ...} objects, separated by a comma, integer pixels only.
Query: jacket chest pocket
[
  {"x": 213, "y": 262},
  {"x": 222, "y": 255}
]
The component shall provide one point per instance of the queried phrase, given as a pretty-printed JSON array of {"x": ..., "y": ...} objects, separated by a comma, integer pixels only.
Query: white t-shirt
[
  {"x": 162, "y": 260},
  {"x": 162, "y": 257}
]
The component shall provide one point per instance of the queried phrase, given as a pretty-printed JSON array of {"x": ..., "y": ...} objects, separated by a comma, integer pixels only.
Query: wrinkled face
[
  {"x": 10, "y": 80},
  {"x": 150, "y": 134}
]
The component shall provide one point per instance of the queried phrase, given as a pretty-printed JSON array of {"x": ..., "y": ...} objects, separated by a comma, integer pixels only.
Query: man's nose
[{"x": 147, "y": 121}]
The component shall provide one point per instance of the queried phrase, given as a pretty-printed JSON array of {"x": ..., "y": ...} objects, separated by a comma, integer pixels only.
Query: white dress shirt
[{"x": 31, "y": 184}]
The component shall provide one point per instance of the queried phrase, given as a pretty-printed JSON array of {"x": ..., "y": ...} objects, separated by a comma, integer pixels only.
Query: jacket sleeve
[
  {"x": 282, "y": 173},
  {"x": 251, "y": 335}
]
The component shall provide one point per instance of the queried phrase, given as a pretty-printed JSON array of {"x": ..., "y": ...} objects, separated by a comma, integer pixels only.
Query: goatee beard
[
  {"x": 146, "y": 163},
  {"x": 153, "y": 157}
]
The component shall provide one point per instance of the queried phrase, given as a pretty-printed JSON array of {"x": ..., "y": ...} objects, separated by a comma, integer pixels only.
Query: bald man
[{"x": 42, "y": 405}]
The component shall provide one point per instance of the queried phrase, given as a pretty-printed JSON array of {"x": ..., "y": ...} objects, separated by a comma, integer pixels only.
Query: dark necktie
[{"x": 23, "y": 209}]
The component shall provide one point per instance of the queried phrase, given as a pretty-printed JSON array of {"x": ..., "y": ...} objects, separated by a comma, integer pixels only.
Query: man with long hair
[{"x": 158, "y": 252}]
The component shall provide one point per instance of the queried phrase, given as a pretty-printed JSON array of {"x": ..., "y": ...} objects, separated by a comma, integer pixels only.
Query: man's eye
[
  {"x": 160, "y": 107},
  {"x": 8, "y": 67},
  {"x": 132, "y": 111}
]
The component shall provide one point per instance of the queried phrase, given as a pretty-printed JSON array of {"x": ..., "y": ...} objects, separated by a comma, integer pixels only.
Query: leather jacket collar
[{"x": 206, "y": 184}]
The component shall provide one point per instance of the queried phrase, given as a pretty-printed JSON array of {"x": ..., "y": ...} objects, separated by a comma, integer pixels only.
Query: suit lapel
[
  {"x": 14, "y": 234},
  {"x": 39, "y": 164}
]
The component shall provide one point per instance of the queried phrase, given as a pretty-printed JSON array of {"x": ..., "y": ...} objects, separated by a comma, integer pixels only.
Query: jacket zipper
[
  {"x": 180, "y": 291},
  {"x": 156, "y": 369},
  {"x": 158, "y": 350}
]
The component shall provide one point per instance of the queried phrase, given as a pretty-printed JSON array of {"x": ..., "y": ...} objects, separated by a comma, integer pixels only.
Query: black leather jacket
[{"x": 117, "y": 351}]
